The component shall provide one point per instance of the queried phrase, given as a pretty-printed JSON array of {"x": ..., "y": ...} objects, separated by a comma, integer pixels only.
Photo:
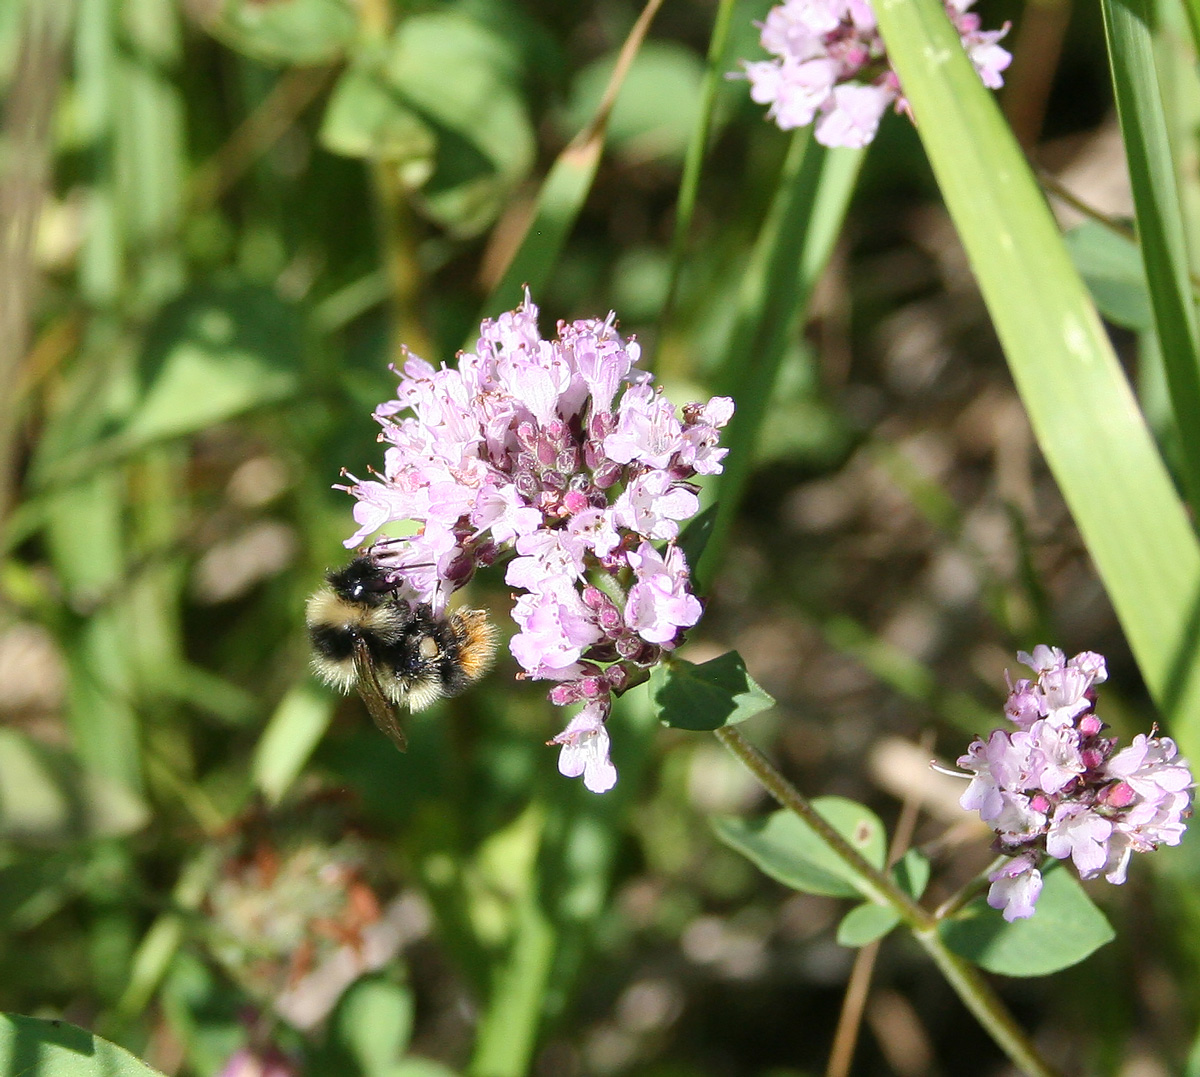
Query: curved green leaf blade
[
  {"x": 865, "y": 924},
  {"x": 33, "y": 1048},
  {"x": 374, "y": 1023},
  {"x": 912, "y": 873},
  {"x": 47, "y": 797},
  {"x": 287, "y": 31},
  {"x": 1080, "y": 405},
  {"x": 790, "y": 851},
  {"x": 789, "y": 256},
  {"x": 1160, "y": 224},
  {"x": 461, "y": 79},
  {"x": 704, "y": 697},
  {"x": 1111, "y": 267},
  {"x": 1064, "y": 930},
  {"x": 296, "y": 727}
]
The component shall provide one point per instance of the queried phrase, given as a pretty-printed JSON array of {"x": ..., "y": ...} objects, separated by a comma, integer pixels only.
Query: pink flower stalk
[
  {"x": 1055, "y": 787},
  {"x": 830, "y": 65},
  {"x": 564, "y": 457}
]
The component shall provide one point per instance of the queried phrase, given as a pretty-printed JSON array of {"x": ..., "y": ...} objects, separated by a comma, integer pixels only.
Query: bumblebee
[{"x": 365, "y": 636}]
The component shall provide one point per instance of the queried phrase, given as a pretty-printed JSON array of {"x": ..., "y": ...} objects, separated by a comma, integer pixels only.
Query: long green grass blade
[
  {"x": 789, "y": 255},
  {"x": 1080, "y": 405},
  {"x": 693, "y": 162},
  {"x": 1160, "y": 223},
  {"x": 565, "y": 189}
]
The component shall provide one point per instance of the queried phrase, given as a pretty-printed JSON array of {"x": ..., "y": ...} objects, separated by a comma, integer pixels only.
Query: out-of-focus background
[{"x": 218, "y": 223}]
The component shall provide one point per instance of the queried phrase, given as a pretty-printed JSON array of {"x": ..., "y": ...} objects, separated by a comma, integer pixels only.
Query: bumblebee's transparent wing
[{"x": 382, "y": 710}]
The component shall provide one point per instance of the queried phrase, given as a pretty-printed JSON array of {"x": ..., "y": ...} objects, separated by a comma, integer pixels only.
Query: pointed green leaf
[
  {"x": 1064, "y": 929},
  {"x": 1160, "y": 224},
  {"x": 790, "y": 851},
  {"x": 33, "y": 1048},
  {"x": 912, "y": 873},
  {"x": 1111, "y": 266},
  {"x": 716, "y": 693},
  {"x": 298, "y": 724},
  {"x": 865, "y": 924}
]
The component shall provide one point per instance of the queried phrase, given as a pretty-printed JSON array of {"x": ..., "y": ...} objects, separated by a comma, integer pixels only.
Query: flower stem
[
  {"x": 968, "y": 892},
  {"x": 976, "y": 994},
  {"x": 989, "y": 1010},
  {"x": 871, "y": 882}
]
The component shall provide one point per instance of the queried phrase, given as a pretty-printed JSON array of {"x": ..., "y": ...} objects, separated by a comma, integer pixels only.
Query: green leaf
[
  {"x": 287, "y": 31},
  {"x": 45, "y": 796},
  {"x": 212, "y": 355},
  {"x": 461, "y": 80},
  {"x": 367, "y": 118},
  {"x": 716, "y": 693},
  {"x": 912, "y": 873},
  {"x": 1079, "y": 403},
  {"x": 1160, "y": 224},
  {"x": 33, "y": 1048},
  {"x": 790, "y": 254},
  {"x": 1111, "y": 266},
  {"x": 296, "y": 727},
  {"x": 657, "y": 108},
  {"x": 559, "y": 203},
  {"x": 374, "y": 1023},
  {"x": 790, "y": 851},
  {"x": 696, "y": 535},
  {"x": 865, "y": 924},
  {"x": 1065, "y": 928}
]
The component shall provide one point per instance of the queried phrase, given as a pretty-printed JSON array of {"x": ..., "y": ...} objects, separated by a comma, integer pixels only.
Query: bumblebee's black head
[{"x": 363, "y": 582}]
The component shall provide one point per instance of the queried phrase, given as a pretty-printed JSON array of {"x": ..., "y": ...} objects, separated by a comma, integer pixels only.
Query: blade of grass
[
  {"x": 689, "y": 182},
  {"x": 564, "y": 190},
  {"x": 1080, "y": 405},
  {"x": 1160, "y": 223},
  {"x": 789, "y": 255}
]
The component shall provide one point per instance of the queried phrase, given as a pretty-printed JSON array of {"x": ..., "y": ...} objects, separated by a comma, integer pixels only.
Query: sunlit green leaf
[
  {"x": 1064, "y": 929},
  {"x": 287, "y": 31},
  {"x": 366, "y": 117},
  {"x": 716, "y": 693},
  {"x": 293, "y": 732},
  {"x": 1111, "y": 266},
  {"x": 461, "y": 80},
  {"x": 33, "y": 1048},
  {"x": 656, "y": 111},
  {"x": 866, "y": 923},
  {"x": 1160, "y": 225},
  {"x": 45, "y": 796},
  {"x": 789, "y": 850},
  {"x": 374, "y": 1023}
]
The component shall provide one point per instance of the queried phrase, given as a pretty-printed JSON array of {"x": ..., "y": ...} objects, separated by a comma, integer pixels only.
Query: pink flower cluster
[
  {"x": 1055, "y": 787},
  {"x": 562, "y": 453},
  {"x": 830, "y": 64}
]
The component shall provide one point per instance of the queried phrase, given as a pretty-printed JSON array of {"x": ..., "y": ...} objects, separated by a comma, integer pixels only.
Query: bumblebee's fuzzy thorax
[{"x": 365, "y": 636}]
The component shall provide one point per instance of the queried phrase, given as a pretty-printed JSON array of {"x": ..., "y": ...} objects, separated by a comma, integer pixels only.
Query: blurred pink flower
[
  {"x": 1054, "y": 787},
  {"x": 830, "y": 65}
]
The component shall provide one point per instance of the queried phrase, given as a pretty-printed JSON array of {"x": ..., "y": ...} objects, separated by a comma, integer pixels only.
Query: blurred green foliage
[{"x": 233, "y": 214}]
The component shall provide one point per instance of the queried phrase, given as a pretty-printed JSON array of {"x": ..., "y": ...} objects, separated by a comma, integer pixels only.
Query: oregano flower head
[
  {"x": 564, "y": 457},
  {"x": 1057, "y": 786},
  {"x": 829, "y": 64}
]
